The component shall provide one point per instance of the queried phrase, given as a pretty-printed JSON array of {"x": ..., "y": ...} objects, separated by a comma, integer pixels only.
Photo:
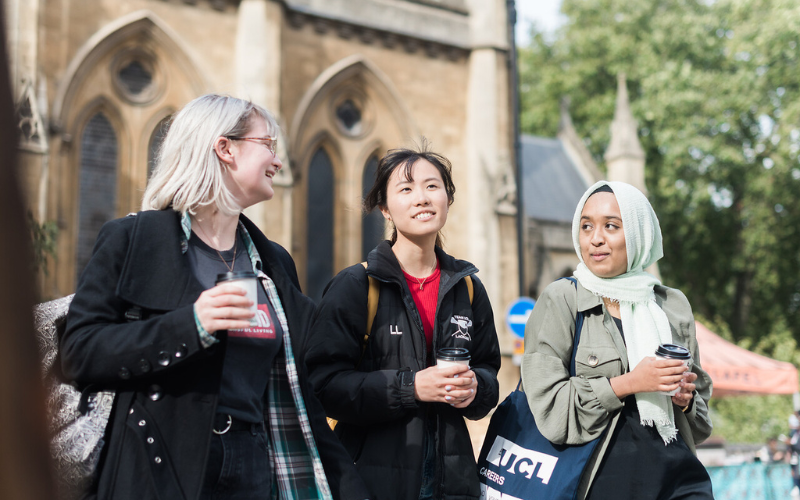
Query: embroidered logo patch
[
  {"x": 395, "y": 330},
  {"x": 462, "y": 323},
  {"x": 263, "y": 329}
]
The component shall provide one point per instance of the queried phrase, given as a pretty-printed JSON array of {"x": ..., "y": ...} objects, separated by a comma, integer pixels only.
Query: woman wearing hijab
[{"x": 647, "y": 440}]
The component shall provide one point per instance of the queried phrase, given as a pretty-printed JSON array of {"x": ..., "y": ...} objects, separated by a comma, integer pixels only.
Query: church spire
[
  {"x": 575, "y": 148},
  {"x": 625, "y": 156}
]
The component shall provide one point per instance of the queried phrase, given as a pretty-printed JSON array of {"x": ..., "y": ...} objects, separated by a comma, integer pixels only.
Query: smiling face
[
  {"x": 602, "y": 237},
  {"x": 251, "y": 165},
  {"x": 417, "y": 206}
]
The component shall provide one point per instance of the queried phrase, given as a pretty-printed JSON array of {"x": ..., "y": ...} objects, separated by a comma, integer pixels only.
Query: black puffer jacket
[{"x": 380, "y": 423}]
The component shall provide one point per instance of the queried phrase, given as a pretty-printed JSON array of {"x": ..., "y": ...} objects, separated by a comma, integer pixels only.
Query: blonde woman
[{"x": 207, "y": 406}]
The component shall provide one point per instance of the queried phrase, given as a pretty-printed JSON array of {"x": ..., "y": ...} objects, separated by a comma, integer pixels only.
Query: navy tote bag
[{"x": 518, "y": 463}]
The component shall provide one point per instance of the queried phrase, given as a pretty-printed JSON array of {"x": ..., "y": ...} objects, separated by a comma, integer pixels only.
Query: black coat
[
  {"x": 380, "y": 423},
  {"x": 131, "y": 328}
]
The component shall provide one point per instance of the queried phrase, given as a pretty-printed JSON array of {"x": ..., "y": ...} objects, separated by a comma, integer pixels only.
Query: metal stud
[
  {"x": 593, "y": 360},
  {"x": 158, "y": 460},
  {"x": 181, "y": 351},
  {"x": 150, "y": 440},
  {"x": 141, "y": 423},
  {"x": 164, "y": 358},
  {"x": 155, "y": 393}
]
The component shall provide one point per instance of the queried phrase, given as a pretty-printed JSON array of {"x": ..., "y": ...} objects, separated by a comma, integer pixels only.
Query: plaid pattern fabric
[
  {"x": 296, "y": 466},
  {"x": 186, "y": 225}
]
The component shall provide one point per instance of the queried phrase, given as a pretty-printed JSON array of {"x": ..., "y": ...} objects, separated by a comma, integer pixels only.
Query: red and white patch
[{"x": 265, "y": 328}]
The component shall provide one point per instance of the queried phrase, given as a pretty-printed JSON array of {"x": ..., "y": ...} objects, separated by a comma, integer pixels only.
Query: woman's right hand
[
  {"x": 451, "y": 384},
  {"x": 650, "y": 375},
  {"x": 224, "y": 307}
]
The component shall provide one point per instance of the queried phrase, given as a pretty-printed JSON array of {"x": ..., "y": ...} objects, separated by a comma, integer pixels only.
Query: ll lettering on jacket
[{"x": 395, "y": 330}]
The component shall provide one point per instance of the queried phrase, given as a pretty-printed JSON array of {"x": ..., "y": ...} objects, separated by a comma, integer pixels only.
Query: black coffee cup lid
[
  {"x": 673, "y": 351},
  {"x": 236, "y": 275},
  {"x": 453, "y": 354}
]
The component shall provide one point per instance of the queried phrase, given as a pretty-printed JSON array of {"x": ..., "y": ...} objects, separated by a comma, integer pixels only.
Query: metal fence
[{"x": 752, "y": 481}]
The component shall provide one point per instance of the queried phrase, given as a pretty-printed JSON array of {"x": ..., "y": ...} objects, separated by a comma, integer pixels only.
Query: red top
[{"x": 425, "y": 293}]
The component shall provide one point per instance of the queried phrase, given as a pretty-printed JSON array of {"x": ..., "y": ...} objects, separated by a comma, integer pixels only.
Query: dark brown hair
[{"x": 406, "y": 158}]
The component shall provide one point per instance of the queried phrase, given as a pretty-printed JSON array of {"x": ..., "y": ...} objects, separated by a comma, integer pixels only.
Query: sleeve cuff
[
  {"x": 206, "y": 339},
  {"x": 689, "y": 410},
  {"x": 605, "y": 394},
  {"x": 407, "y": 396}
]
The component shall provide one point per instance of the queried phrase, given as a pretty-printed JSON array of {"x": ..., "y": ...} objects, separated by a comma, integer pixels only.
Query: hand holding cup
[
  {"x": 677, "y": 352},
  {"x": 231, "y": 304},
  {"x": 450, "y": 381}
]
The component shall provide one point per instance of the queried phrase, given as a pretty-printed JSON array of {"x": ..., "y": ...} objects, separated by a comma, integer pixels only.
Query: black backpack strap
[{"x": 578, "y": 327}]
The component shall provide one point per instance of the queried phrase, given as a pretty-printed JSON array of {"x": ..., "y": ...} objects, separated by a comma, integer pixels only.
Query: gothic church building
[{"x": 96, "y": 82}]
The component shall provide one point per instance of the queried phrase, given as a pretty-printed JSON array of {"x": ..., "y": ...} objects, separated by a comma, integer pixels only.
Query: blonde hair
[{"x": 188, "y": 174}]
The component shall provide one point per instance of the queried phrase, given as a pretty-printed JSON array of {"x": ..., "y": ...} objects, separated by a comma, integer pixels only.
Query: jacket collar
[
  {"x": 383, "y": 265},
  {"x": 162, "y": 283},
  {"x": 167, "y": 282},
  {"x": 586, "y": 299},
  {"x": 272, "y": 258}
]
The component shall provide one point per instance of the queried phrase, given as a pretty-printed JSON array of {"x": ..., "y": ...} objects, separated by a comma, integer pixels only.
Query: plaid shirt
[{"x": 296, "y": 466}]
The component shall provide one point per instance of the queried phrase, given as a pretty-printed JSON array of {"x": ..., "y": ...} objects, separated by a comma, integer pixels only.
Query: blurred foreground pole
[
  {"x": 513, "y": 78},
  {"x": 25, "y": 469}
]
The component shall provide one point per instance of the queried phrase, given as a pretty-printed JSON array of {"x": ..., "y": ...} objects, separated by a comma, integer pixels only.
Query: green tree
[
  {"x": 715, "y": 88},
  {"x": 43, "y": 242}
]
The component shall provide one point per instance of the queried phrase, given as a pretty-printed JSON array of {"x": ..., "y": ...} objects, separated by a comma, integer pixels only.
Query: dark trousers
[
  {"x": 429, "y": 461},
  {"x": 238, "y": 466}
]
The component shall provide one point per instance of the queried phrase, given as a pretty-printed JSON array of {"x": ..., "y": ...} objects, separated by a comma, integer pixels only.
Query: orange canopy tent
[{"x": 737, "y": 371}]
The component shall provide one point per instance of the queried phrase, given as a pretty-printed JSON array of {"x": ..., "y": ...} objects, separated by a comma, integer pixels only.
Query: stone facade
[{"x": 347, "y": 79}]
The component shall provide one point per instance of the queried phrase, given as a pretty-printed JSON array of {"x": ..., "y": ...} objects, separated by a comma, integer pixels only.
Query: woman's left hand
[
  {"x": 685, "y": 395},
  {"x": 465, "y": 402}
]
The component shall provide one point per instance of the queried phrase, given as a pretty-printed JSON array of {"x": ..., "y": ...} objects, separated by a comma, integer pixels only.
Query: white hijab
[{"x": 643, "y": 321}]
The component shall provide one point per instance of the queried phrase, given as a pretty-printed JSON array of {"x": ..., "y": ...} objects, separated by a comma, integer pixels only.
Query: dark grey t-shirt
[{"x": 250, "y": 352}]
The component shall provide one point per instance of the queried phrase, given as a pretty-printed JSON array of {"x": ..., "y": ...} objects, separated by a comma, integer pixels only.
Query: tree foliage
[
  {"x": 43, "y": 242},
  {"x": 715, "y": 89}
]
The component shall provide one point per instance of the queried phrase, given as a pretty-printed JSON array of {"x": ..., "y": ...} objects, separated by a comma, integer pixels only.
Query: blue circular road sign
[{"x": 518, "y": 313}]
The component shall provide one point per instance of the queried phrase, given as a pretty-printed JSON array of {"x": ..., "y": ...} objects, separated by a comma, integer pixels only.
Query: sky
[{"x": 545, "y": 13}]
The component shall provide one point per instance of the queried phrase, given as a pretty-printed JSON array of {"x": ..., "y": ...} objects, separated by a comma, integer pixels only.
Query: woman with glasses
[
  {"x": 211, "y": 397},
  {"x": 401, "y": 417}
]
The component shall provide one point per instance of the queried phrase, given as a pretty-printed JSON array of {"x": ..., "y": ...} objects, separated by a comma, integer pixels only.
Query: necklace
[
  {"x": 422, "y": 281},
  {"x": 235, "y": 240}
]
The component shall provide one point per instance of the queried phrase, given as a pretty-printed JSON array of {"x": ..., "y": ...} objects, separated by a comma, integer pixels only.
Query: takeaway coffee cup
[
  {"x": 449, "y": 356},
  {"x": 674, "y": 351},
  {"x": 246, "y": 280}
]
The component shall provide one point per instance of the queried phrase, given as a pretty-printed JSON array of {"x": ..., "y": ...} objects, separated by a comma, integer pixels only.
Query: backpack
[
  {"x": 77, "y": 421},
  {"x": 372, "y": 310}
]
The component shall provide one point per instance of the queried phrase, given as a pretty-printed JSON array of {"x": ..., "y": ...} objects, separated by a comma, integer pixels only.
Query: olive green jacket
[{"x": 575, "y": 410}]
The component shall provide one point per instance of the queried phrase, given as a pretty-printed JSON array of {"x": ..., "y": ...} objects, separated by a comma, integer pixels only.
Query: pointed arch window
[
  {"x": 98, "y": 184},
  {"x": 319, "y": 239},
  {"x": 372, "y": 225}
]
